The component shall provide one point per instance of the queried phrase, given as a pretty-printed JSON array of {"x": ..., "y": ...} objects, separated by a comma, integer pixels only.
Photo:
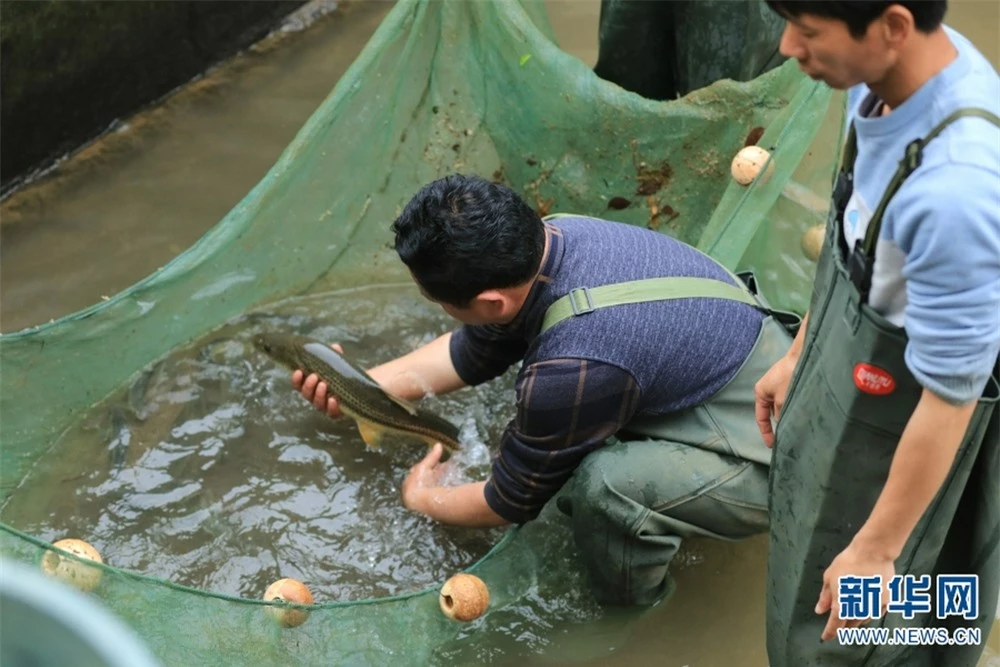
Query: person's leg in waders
[
  {"x": 701, "y": 472},
  {"x": 663, "y": 49}
]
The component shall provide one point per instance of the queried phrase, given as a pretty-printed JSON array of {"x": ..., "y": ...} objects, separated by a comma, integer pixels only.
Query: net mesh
[{"x": 475, "y": 87}]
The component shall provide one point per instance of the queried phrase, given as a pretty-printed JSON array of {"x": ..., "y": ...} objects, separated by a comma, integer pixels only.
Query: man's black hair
[
  {"x": 461, "y": 235},
  {"x": 859, "y": 14}
]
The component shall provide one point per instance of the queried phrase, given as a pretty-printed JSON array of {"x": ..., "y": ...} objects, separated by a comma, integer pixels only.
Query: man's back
[{"x": 680, "y": 352}]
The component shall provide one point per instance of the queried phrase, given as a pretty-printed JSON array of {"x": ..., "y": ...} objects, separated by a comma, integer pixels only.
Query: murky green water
[{"x": 211, "y": 471}]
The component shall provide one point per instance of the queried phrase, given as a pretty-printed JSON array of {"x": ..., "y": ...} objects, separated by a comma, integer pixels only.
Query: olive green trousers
[{"x": 699, "y": 472}]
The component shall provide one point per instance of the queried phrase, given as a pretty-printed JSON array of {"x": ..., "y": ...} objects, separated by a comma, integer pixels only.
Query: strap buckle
[
  {"x": 843, "y": 188},
  {"x": 581, "y": 310},
  {"x": 859, "y": 270},
  {"x": 914, "y": 155}
]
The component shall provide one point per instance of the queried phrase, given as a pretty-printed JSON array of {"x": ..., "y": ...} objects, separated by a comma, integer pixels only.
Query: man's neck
[
  {"x": 925, "y": 57},
  {"x": 521, "y": 292}
]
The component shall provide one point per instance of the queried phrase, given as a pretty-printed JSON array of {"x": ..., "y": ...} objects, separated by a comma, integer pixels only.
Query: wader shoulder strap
[
  {"x": 583, "y": 300},
  {"x": 862, "y": 260}
]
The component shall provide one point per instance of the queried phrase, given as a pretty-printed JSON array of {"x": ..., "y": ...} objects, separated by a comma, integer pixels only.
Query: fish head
[{"x": 282, "y": 348}]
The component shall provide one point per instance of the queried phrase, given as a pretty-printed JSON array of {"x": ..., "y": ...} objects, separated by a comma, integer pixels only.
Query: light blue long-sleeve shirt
[{"x": 937, "y": 262}]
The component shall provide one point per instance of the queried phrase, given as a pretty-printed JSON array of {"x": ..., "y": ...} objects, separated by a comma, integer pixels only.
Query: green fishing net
[{"x": 474, "y": 87}]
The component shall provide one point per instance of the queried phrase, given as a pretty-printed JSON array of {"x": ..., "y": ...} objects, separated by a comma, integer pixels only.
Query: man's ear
[
  {"x": 896, "y": 25},
  {"x": 495, "y": 302}
]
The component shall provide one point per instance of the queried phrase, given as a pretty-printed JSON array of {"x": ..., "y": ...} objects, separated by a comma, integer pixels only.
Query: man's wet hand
[
  {"x": 769, "y": 396},
  {"x": 422, "y": 480},
  {"x": 315, "y": 391},
  {"x": 854, "y": 561}
]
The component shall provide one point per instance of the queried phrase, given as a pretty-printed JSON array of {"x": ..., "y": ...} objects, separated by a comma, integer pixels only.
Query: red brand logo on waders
[{"x": 873, "y": 380}]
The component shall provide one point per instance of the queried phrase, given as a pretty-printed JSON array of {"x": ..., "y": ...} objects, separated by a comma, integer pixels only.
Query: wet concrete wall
[{"x": 68, "y": 69}]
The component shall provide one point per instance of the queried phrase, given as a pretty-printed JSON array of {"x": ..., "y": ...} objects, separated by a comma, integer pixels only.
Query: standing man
[
  {"x": 886, "y": 445},
  {"x": 636, "y": 388}
]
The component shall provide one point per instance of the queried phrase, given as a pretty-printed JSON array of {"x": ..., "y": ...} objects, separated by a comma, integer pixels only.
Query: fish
[
  {"x": 137, "y": 393},
  {"x": 376, "y": 411},
  {"x": 121, "y": 438}
]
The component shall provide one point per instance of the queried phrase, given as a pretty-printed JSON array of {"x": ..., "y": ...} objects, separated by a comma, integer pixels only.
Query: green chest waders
[
  {"x": 849, "y": 400},
  {"x": 698, "y": 472}
]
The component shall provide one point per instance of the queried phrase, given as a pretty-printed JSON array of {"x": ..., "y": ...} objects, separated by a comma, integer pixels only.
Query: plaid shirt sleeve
[
  {"x": 566, "y": 408},
  {"x": 481, "y": 353}
]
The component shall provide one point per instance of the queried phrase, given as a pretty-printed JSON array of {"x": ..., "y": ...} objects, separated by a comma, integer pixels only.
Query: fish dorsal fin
[{"x": 403, "y": 403}]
